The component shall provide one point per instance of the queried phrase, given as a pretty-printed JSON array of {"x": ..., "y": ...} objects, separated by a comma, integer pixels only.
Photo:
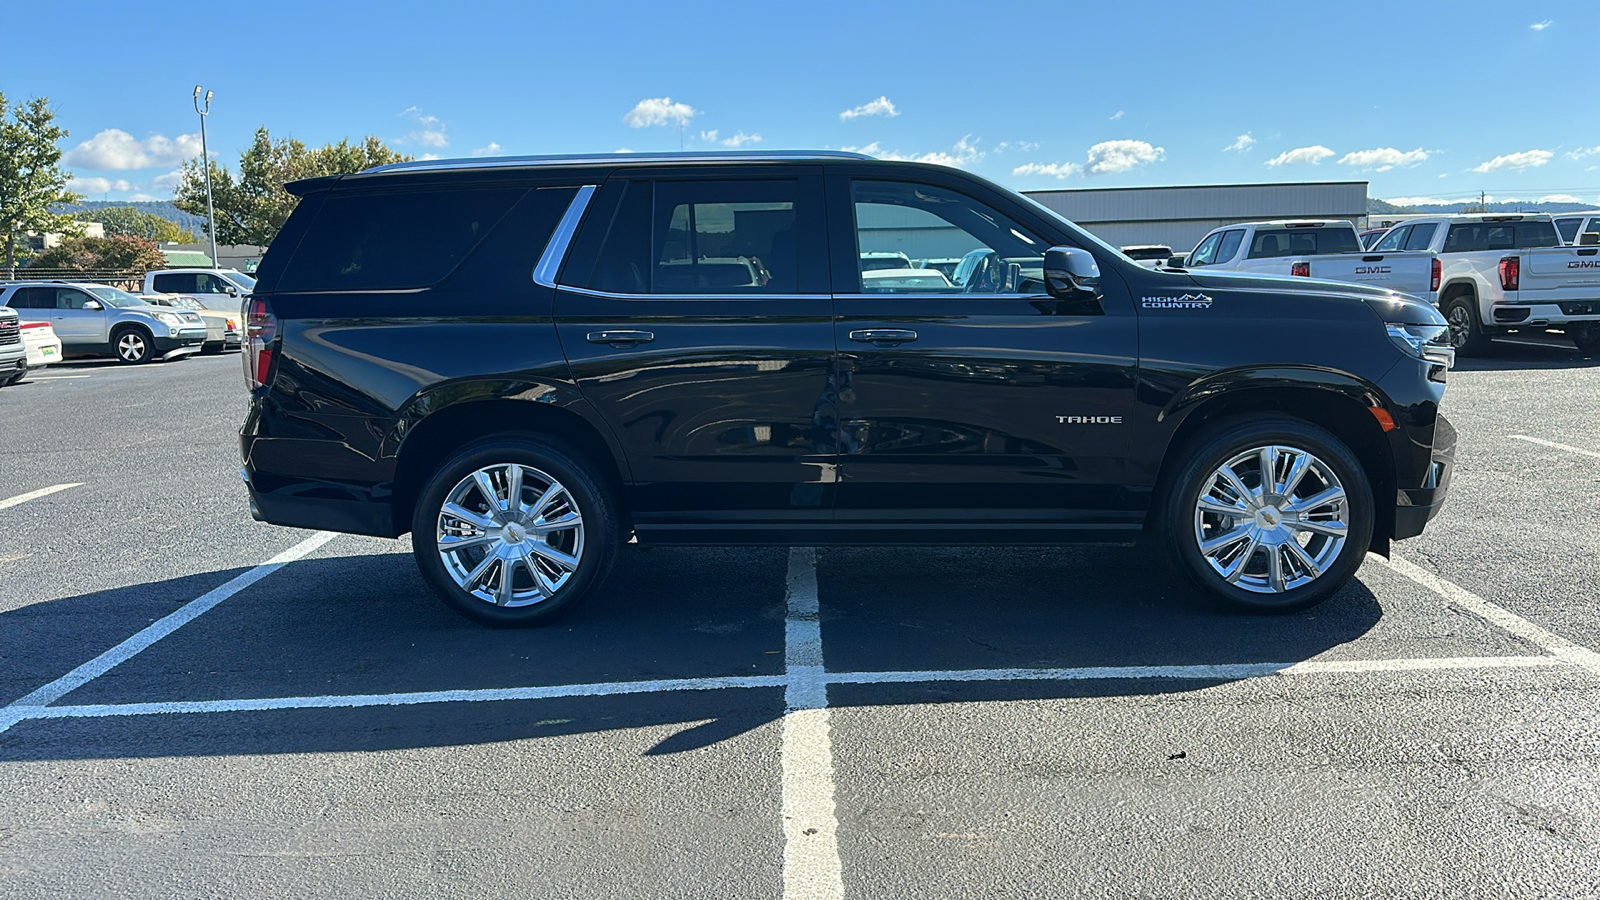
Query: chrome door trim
[
  {"x": 555, "y": 250},
  {"x": 952, "y": 295},
  {"x": 608, "y": 295}
]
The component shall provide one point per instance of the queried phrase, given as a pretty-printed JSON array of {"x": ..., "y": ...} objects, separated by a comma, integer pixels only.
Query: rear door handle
[
  {"x": 883, "y": 336},
  {"x": 622, "y": 340}
]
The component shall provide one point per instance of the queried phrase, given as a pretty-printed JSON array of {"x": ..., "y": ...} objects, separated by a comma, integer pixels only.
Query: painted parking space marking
[
  {"x": 21, "y": 708},
  {"x": 811, "y": 866},
  {"x": 34, "y": 495},
  {"x": 57, "y": 377},
  {"x": 1567, "y": 447},
  {"x": 1557, "y": 646}
]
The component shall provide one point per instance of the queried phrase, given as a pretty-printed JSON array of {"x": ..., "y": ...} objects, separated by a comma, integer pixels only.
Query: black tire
[
  {"x": 1466, "y": 329},
  {"x": 211, "y": 349},
  {"x": 132, "y": 345},
  {"x": 1586, "y": 335},
  {"x": 1178, "y": 510},
  {"x": 595, "y": 543}
]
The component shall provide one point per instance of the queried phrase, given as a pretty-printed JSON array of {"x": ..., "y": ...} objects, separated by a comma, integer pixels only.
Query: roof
[
  {"x": 191, "y": 258},
  {"x": 598, "y": 159}
]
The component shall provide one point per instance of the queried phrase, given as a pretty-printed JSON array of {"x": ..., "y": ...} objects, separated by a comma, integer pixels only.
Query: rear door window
[
  {"x": 1229, "y": 248},
  {"x": 175, "y": 283},
  {"x": 1568, "y": 229},
  {"x": 1421, "y": 236},
  {"x": 1394, "y": 239},
  {"x": 362, "y": 241}
]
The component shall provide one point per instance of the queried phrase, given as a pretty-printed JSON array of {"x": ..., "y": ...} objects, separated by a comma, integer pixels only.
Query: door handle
[
  {"x": 622, "y": 340},
  {"x": 883, "y": 337}
]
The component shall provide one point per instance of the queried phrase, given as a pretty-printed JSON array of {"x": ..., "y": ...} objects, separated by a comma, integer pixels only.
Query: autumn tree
[
  {"x": 117, "y": 253},
  {"x": 253, "y": 205},
  {"x": 32, "y": 181}
]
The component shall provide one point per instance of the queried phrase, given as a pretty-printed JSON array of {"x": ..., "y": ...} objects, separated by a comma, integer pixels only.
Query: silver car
[{"x": 97, "y": 320}]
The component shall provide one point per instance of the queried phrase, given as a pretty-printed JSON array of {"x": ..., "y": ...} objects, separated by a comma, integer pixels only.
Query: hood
[{"x": 1391, "y": 306}]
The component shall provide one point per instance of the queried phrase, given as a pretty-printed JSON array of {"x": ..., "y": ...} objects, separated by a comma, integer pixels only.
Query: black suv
[{"x": 524, "y": 361}]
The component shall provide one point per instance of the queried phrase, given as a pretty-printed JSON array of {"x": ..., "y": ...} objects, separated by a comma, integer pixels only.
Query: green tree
[
  {"x": 119, "y": 253},
  {"x": 253, "y": 206},
  {"x": 137, "y": 222},
  {"x": 31, "y": 178}
]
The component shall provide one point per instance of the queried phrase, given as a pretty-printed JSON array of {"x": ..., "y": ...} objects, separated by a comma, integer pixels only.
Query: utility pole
[{"x": 205, "y": 162}]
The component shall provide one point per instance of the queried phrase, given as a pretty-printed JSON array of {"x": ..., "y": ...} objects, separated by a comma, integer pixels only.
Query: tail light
[
  {"x": 1433, "y": 283},
  {"x": 27, "y": 325},
  {"x": 261, "y": 334},
  {"x": 1510, "y": 272},
  {"x": 1300, "y": 269}
]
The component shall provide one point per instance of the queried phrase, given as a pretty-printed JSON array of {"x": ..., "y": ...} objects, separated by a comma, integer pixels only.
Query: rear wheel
[
  {"x": 1269, "y": 515},
  {"x": 514, "y": 531},
  {"x": 1586, "y": 335},
  {"x": 211, "y": 349},
  {"x": 1466, "y": 330},
  {"x": 132, "y": 345}
]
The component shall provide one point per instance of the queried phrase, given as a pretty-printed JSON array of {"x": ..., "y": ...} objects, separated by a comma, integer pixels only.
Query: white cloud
[
  {"x": 428, "y": 130},
  {"x": 659, "y": 111},
  {"x": 739, "y": 138},
  {"x": 1024, "y": 146},
  {"x": 1110, "y": 157},
  {"x": 1383, "y": 158},
  {"x": 1559, "y": 198},
  {"x": 1540, "y": 26},
  {"x": 1421, "y": 201},
  {"x": 489, "y": 149},
  {"x": 427, "y": 156},
  {"x": 1055, "y": 170},
  {"x": 1527, "y": 159},
  {"x": 92, "y": 185},
  {"x": 878, "y": 107},
  {"x": 142, "y": 197},
  {"x": 168, "y": 182},
  {"x": 117, "y": 149},
  {"x": 964, "y": 152},
  {"x": 1117, "y": 115},
  {"x": 1241, "y": 144},
  {"x": 1313, "y": 155},
  {"x": 1581, "y": 152},
  {"x": 709, "y": 136}
]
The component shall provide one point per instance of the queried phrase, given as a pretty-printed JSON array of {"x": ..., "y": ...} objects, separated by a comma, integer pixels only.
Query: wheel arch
[
  {"x": 1340, "y": 404},
  {"x": 437, "y": 423}
]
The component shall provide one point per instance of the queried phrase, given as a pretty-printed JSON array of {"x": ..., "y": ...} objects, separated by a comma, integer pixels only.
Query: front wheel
[
  {"x": 1269, "y": 515},
  {"x": 514, "y": 531},
  {"x": 132, "y": 346}
]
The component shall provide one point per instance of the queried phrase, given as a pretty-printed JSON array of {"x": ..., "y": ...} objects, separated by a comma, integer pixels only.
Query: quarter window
[
  {"x": 1568, "y": 228},
  {"x": 907, "y": 234}
]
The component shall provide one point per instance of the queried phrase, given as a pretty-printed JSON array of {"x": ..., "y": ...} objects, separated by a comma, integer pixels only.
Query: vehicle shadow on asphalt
[
  {"x": 366, "y": 624},
  {"x": 1544, "y": 353}
]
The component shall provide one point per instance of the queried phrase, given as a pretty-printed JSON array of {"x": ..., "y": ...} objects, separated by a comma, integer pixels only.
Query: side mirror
[
  {"x": 92, "y": 304},
  {"x": 1071, "y": 274},
  {"x": 230, "y": 290},
  {"x": 1178, "y": 262}
]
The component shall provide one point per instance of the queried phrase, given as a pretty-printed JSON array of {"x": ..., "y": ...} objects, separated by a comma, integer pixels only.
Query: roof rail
[{"x": 592, "y": 159}]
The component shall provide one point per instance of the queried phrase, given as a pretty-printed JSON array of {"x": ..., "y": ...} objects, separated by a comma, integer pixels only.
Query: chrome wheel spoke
[
  {"x": 551, "y": 494},
  {"x": 1316, "y": 501},
  {"x": 461, "y": 513},
  {"x": 1235, "y": 570},
  {"x": 453, "y": 543},
  {"x": 1268, "y": 457},
  {"x": 479, "y": 570},
  {"x": 1275, "y": 575},
  {"x": 506, "y": 586},
  {"x": 559, "y": 557},
  {"x": 562, "y": 522},
  {"x": 1297, "y": 472},
  {"x": 1235, "y": 524},
  {"x": 1330, "y": 528},
  {"x": 545, "y": 584},
  {"x": 514, "y": 489},
  {"x": 1226, "y": 473},
  {"x": 1308, "y": 564},
  {"x": 511, "y": 535},
  {"x": 490, "y": 495},
  {"x": 1218, "y": 544}
]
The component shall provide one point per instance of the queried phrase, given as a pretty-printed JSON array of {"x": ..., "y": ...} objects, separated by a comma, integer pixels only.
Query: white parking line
[
  {"x": 1507, "y": 620},
  {"x": 811, "y": 868},
  {"x": 25, "y": 707},
  {"x": 1567, "y": 447},
  {"x": 57, "y": 377},
  {"x": 34, "y": 495}
]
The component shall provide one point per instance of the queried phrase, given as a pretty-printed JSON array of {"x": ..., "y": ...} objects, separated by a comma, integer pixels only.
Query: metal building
[{"x": 1180, "y": 216}]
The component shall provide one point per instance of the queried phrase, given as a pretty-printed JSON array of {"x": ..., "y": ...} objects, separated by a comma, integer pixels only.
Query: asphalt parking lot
[{"x": 193, "y": 704}]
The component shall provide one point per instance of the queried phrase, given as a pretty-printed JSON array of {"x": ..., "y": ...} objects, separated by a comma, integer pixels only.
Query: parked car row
[{"x": 42, "y": 322}]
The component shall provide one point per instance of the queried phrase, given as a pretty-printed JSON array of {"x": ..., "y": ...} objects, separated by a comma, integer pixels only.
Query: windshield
[
  {"x": 113, "y": 297},
  {"x": 241, "y": 279}
]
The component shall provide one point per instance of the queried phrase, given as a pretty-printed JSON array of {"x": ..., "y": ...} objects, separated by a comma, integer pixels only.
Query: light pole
[{"x": 205, "y": 162}]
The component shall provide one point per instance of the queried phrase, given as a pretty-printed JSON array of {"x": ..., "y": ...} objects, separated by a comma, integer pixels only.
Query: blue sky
[{"x": 1409, "y": 96}]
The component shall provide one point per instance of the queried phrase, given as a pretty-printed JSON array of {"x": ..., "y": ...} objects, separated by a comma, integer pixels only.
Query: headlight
[
  {"x": 172, "y": 319},
  {"x": 1426, "y": 342}
]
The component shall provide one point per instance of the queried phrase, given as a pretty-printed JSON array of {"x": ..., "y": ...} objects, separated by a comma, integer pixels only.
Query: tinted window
[
  {"x": 213, "y": 284},
  {"x": 33, "y": 298},
  {"x": 1533, "y": 235},
  {"x": 362, "y": 241},
  {"x": 1568, "y": 229},
  {"x": 175, "y": 283},
  {"x": 1470, "y": 236},
  {"x": 1303, "y": 242},
  {"x": 1394, "y": 239},
  {"x": 702, "y": 237},
  {"x": 917, "y": 221},
  {"x": 1421, "y": 236},
  {"x": 1206, "y": 253},
  {"x": 1230, "y": 245}
]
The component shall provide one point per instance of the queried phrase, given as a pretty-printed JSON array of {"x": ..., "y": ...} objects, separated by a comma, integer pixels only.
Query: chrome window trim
[
  {"x": 608, "y": 295},
  {"x": 599, "y": 159},
  {"x": 555, "y": 249},
  {"x": 963, "y": 295}
]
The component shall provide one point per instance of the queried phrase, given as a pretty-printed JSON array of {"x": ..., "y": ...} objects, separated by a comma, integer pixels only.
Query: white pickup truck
[
  {"x": 1574, "y": 226},
  {"x": 1509, "y": 273},
  {"x": 1316, "y": 248}
]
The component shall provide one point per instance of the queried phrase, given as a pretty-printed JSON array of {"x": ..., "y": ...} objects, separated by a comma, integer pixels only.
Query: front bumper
[
  {"x": 181, "y": 342},
  {"x": 1415, "y": 507},
  {"x": 14, "y": 366}
]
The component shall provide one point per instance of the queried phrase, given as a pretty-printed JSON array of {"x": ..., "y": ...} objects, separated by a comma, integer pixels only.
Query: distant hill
[
  {"x": 162, "y": 208},
  {"x": 1376, "y": 207}
]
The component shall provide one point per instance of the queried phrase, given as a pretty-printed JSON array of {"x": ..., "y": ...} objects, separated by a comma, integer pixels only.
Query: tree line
[{"x": 250, "y": 206}]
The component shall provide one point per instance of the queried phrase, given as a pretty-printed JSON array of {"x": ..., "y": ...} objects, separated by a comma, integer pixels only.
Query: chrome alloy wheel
[
  {"x": 1271, "y": 519},
  {"x": 510, "y": 535},
  {"x": 131, "y": 346}
]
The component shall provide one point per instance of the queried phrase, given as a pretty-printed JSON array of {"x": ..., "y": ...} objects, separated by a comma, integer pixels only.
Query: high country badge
[{"x": 1187, "y": 301}]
